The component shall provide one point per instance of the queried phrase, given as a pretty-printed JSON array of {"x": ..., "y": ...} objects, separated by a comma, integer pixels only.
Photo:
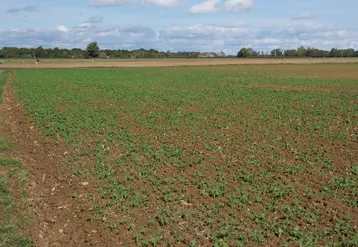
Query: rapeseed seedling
[{"x": 194, "y": 156}]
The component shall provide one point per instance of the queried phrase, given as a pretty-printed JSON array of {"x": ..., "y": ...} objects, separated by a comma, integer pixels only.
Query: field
[
  {"x": 235, "y": 155},
  {"x": 15, "y": 221},
  {"x": 85, "y": 63}
]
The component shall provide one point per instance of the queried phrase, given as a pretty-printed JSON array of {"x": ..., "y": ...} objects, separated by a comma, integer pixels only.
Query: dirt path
[
  {"x": 169, "y": 63},
  {"x": 60, "y": 218}
]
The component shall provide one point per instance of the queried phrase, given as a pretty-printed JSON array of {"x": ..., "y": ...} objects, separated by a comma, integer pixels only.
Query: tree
[
  {"x": 301, "y": 51},
  {"x": 348, "y": 52},
  {"x": 77, "y": 53},
  {"x": 56, "y": 52},
  {"x": 92, "y": 50},
  {"x": 277, "y": 52},
  {"x": 222, "y": 54},
  {"x": 102, "y": 54},
  {"x": 65, "y": 54},
  {"x": 244, "y": 52},
  {"x": 40, "y": 52},
  {"x": 334, "y": 52},
  {"x": 290, "y": 53}
]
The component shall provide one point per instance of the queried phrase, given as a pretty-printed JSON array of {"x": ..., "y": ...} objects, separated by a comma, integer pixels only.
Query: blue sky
[{"x": 200, "y": 25}]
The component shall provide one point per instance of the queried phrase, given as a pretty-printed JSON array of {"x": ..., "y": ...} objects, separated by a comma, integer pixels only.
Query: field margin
[{"x": 170, "y": 63}]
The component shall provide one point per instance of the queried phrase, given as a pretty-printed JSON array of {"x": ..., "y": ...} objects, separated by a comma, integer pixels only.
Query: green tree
[
  {"x": 254, "y": 53},
  {"x": 65, "y": 54},
  {"x": 40, "y": 52},
  {"x": 77, "y": 53},
  {"x": 334, "y": 52},
  {"x": 277, "y": 52},
  {"x": 102, "y": 54},
  {"x": 56, "y": 52},
  {"x": 92, "y": 50},
  {"x": 290, "y": 53},
  {"x": 301, "y": 51},
  {"x": 348, "y": 53},
  {"x": 244, "y": 52}
]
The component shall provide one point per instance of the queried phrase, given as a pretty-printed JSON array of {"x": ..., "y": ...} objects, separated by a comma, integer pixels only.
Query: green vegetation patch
[
  {"x": 3, "y": 78},
  {"x": 12, "y": 223},
  {"x": 14, "y": 219},
  {"x": 206, "y": 155}
]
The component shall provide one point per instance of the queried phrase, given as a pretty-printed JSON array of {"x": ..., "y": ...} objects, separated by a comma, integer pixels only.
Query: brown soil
[
  {"x": 287, "y": 88},
  {"x": 61, "y": 220},
  {"x": 168, "y": 63},
  {"x": 297, "y": 71}
]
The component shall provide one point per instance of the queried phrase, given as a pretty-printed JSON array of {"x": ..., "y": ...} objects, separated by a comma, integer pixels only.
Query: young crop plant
[{"x": 206, "y": 156}]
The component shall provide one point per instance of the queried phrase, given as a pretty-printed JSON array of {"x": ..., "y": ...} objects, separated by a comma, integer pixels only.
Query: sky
[{"x": 180, "y": 25}]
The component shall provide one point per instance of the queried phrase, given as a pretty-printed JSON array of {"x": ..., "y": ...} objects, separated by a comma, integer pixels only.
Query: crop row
[{"x": 191, "y": 156}]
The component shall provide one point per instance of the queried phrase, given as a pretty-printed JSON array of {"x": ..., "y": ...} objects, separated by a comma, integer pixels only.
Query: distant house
[{"x": 207, "y": 54}]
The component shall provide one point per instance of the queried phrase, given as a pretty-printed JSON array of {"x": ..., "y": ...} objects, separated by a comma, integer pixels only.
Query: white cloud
[
  {"x": 161, "y": 3},
  {"x": 95, "y": 19},
  {"x": 267, "y": 41},
  {"x": 238, "y": 5},
  {"x": 62, "y": 28},
  {"x": 211, "y": 6},
  {"x": 200, "y": 37},
  {"x": 206, "y": 7},
  {"x": 85, "y": 25},
  {"x": 112, "y": 3},
  {"x": 304, "y": 16},
  {"x": 304, "y": 27},
  {"x": 205, "y": 31},
  {"x": 106, "y": 3},
  {"x": 24, "y": 8}
]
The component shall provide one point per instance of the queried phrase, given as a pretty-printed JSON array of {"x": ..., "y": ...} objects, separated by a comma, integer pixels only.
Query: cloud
[
  {"x": 200, "y": 37},
  {"x": 131, "y": 37},
  {"x": 62, "y": 28},
  {"x": 106, "y": 3},
  {"x": 24, "y": 8},
  {"x": 211, "y": 6},
  {"x": 206, "y": 7},
  {"x": 161, "y": 3},
  {"x": 237, "y": 5},
  {"x": 304, "y": 16},
  {"x": 85, "y": 25},
  {"x": 299, "y": 28},
  {"x": 33, "y": 37},
  {"x": 145, "y": 3},
  {"x": 204, "y": 31},
  {"x": 95, "y": 19},
  {"x": 267, "y": 41}
]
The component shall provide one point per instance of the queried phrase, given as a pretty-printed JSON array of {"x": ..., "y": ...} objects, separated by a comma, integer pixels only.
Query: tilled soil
[
  {"x": 169, "y": 63},
  {"x": 60, "y": 220}
]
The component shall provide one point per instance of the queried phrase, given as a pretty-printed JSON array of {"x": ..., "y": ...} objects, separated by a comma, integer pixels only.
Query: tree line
[
  {"x": 93, "y": 51},
  {"x": 300, "y": 52}
]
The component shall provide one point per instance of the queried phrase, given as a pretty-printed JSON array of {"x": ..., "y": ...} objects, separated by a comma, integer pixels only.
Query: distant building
[{"x": 207, "y": 54}]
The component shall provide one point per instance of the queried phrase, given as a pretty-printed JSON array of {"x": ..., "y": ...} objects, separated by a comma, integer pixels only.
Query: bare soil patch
[
  {"x": 61, "y": 219},
  {"x": 236, "y": 176},
  {"x": 169, "y": 63},
  {"x": 298, "y": 71},
  {"x": 287, "y": 88}
]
